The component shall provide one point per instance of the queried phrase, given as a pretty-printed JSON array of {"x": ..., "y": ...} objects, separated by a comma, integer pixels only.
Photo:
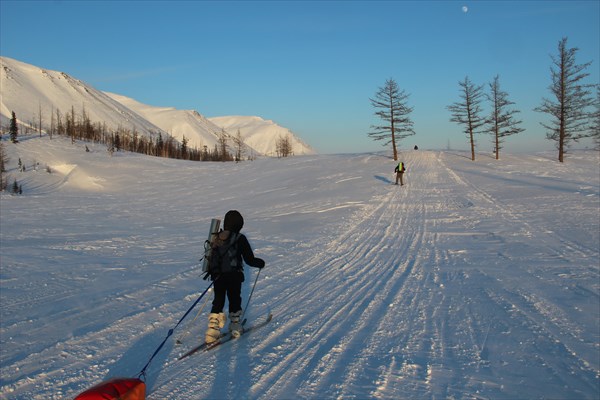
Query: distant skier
[
  {"x": 399, "y": 170},
  {"x": 230, "y": 283}
]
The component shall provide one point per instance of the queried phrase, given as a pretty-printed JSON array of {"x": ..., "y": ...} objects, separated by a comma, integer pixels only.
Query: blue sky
[{"x": 310, "y": 66}]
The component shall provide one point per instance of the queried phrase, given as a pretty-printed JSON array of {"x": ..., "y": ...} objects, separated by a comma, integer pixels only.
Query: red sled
[{"x": 116, "y": 389}]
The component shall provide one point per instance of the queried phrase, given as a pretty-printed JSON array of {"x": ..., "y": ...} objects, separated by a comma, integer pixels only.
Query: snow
[
  {"x": 190, "y": 124},
  {"x": 261, "y": 134},
  {"x": 474, "y": 280},
  {"x": 55, "y": 90}
]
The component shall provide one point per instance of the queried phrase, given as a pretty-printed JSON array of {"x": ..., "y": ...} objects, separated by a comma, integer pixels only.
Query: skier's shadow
[
  {"x": 232, "y": 373},
  {"x": 383, "y": 179},
  {"x": 232, "y": 379},
  {"x": 136, "y": 357}
]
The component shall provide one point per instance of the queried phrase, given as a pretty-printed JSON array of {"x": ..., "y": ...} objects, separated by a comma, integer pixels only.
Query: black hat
[{"x": 233, "y": 221}]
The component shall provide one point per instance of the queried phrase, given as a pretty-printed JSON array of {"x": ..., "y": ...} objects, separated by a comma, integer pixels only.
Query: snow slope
[
  {"x": 262, "y": 134},
  {"x": 474, "y": 280},
  {"x": 259, "y": 135},
  {"x": 198, "y": 130},
  {"x": 52, "y": 91}
]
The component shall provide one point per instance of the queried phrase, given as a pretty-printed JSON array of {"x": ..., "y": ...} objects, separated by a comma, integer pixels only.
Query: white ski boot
[
  {"x": 215, "y": 323},
  {"x": 235, "y": 326}
]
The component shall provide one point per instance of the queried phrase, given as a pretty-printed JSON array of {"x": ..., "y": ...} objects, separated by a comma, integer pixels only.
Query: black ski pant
[
  {"x": 399, "y": 177},
  {"x": 230, "y": 285}
]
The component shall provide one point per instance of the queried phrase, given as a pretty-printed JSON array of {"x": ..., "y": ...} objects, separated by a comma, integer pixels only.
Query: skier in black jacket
[{"x": 230, "y": 283}]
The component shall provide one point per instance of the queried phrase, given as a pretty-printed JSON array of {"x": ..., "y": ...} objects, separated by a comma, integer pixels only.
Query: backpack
[{"x": 224, "y": 257}]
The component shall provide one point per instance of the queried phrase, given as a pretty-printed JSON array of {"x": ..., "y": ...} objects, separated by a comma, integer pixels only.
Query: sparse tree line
[
  {"x": 80, "y": 127},
  {"x": 122, "y": 139},
  {"x": 4, "y": 179},
  {"x": 3, "y": 161},
  {"x": 16, "y": 187},
  {"x": 573, "y": 110},
  {"x": 283, "y": 146}
]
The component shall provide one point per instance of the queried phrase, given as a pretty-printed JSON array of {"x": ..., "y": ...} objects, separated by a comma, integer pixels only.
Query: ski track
[
  {"x": 394, "y": 307},
  {"x": 76, "y": 366},
  {"x": 414, "y": 293}
]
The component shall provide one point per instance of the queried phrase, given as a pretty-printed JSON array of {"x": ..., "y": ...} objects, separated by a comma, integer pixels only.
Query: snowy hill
[
  {"x": 179, "y": 123},
  {"x": 27, "y": 89},
  {"x": 258, "y": 134},
  {"x": 475, "y": 280},
  {"x": 261, "y": 134}
]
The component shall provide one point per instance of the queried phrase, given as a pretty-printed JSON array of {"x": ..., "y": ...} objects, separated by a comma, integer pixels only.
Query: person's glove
[{"x": 259, "y": 262}]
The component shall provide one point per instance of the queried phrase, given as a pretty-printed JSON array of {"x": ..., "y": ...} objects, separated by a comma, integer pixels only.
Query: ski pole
[
  {"x": 143, "y": 371},
  {"x": 249, "y": 297},
  {"x": 180, "y": 340}
]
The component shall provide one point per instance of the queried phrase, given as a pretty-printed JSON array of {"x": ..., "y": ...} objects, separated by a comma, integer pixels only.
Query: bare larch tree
[
  {"x": 392, "y": 108},
  {"x": 569, "y": 111},
  {"x": 502, "y": 122},
  {"x": 468, "y": 111}
]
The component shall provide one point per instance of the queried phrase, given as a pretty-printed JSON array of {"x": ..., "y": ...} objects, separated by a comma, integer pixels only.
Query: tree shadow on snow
[
  {"x": 131, "y": 363},
  {"x": 459, "y": 154}
]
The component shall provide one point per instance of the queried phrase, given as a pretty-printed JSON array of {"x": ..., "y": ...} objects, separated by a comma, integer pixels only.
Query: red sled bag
[{"x": 116, "y": 389}]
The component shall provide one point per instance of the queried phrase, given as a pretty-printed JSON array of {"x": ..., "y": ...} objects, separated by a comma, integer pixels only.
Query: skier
[
  {"x": 230, "y": 283},
  {"x": 399, "y": 170}
]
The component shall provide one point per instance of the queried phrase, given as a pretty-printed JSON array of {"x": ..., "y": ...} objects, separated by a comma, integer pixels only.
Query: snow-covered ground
[{"x": 474, "y": 280}]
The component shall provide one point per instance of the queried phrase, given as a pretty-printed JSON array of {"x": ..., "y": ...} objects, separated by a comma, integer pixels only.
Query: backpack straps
[{"x": 233, "y": 242}]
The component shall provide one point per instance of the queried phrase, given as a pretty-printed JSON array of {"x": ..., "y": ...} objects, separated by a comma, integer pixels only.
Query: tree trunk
[
  {"x": 393, "y": 132},
  {"x": 472, "y": 145},
  {"x": 497, "y": 145}
]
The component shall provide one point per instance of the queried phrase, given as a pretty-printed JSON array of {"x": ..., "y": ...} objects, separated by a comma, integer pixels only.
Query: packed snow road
[{"x": 474, "y": 280}]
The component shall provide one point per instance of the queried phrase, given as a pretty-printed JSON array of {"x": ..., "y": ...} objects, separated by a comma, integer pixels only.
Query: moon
[{"x": 465, "y": 9}]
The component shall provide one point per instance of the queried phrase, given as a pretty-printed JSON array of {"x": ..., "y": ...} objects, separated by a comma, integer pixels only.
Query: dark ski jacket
[{"x": 245, "y": 252}]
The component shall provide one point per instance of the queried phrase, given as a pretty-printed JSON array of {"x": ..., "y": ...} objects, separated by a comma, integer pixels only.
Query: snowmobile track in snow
[{"x": 448, "y": 287}]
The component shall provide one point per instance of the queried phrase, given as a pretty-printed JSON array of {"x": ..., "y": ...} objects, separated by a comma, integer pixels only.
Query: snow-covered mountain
[
  {"x": 261, "y": 134},
  {"x": 30, "y": 91},
  {"x": 197, "y": 129},
  {"x": 27, "y": 89}
]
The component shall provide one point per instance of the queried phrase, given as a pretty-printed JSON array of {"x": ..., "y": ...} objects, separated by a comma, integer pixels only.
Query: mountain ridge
[{"x": 58, "y": 93}]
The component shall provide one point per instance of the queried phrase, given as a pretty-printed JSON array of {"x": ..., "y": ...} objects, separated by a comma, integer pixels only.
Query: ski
[
  {"x": 198, "y": 348},
  {"x": 226, "y": 337},
  {"x": 205, "y": 345}
]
